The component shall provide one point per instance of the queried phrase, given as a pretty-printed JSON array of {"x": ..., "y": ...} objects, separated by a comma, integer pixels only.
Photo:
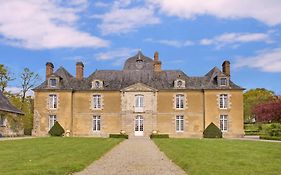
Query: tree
[
  {"x": 28, "y": 81},
  {"x": 5, "y": 77},
  {"x": 268, "y": 111},
  {"x": 255, "y": 97}
]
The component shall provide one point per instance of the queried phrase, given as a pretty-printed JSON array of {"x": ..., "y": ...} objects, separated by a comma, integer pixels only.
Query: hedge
[
  {"x": 56, "y": 130},
  {"x": 125, "y": 136},
  {"x": 152, "y": 136},
  {"x": 270, "y": 137},
  {"x": 212, "y": 131}
]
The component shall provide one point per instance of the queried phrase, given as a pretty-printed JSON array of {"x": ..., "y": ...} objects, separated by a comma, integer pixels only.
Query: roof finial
[{"x": 139, "y": 53}]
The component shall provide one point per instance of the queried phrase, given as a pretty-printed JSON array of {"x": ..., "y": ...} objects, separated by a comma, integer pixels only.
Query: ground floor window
[
  {"x": 179, "y": 123},
  {"x": 223, "y": 123},
  {"x": 2, "y": 120},
  {"x": 52, "y": 120},
  {"x": 96, "y": 123}
]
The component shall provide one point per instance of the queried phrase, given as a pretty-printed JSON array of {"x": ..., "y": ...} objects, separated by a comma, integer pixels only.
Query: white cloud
[
  {"x": 117, "y": 56},
  {"x": 123, "y": 20},
  {"x": 17, "y": 90},
  {"x": 44, "y": 24},
  {"x": 173, "y": 43},
  {"x": 235, "y": 38},
  {"x": 266, "y": 60},
  {"x": 267, "y": 11}
]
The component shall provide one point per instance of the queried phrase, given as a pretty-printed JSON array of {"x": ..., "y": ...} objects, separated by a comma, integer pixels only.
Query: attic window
[
  {"x": 179, "y": 83},
  {"x": 223, "y": 81},
  {"x": 97, "y": 84},
  {"x": 53, "y": 82}
]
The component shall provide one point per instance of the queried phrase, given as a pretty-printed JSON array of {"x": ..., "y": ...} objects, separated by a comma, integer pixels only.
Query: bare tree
[
  {"x": 5, "y": 77},
  {"x": 28, "y": 80}
]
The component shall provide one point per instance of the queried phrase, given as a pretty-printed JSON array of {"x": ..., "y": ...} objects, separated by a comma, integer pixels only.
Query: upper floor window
[
  {"x": 179, "y": 101},
  {"x": 53, "y": 101},
  {"x": 139, "y": 101},
  {"x": 52, "y": 120},
  {"x": 97, "y": 101},
  {"x": 97, "y": 84},
  {"x": 2, "y": 120},
  {"x": 223, "y": 81},
  {"x": 223, "y": 123},
  {"x": 96, "y": 123},
  {"x": 53, "y": 82},
  {"x": 179, "y": 123},
  {"x": 223, "y": 101}
]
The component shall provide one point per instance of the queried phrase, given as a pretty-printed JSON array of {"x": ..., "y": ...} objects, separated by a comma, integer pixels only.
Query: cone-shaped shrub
[
  {"x": 56, "y": 130},
  {"x": 212, "y": 131}
]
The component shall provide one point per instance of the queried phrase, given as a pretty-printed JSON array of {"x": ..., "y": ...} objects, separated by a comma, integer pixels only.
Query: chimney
[
  {"x": 49, "y": 69},
  {"x": 79, "y": 70},
  {"x": 157, "y": 63},
  {"x": 226, "y": 68}
]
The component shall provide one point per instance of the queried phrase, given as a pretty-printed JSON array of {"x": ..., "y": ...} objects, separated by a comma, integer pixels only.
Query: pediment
[{"x": 138, "y": 87}]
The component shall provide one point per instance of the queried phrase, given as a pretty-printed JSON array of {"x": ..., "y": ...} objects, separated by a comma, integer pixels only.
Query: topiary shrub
[
  {"x": 212, "y": 131},
  {"x": 56, "y": 130}
]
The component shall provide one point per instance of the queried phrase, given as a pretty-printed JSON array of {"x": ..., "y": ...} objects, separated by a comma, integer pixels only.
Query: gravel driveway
[{"x": 137, "y": 156}]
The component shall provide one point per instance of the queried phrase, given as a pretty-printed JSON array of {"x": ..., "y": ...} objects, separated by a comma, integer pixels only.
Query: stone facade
[{"x": 119, "y": 107}]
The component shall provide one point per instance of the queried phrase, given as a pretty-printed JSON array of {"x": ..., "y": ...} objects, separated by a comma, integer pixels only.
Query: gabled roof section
[
  {"x": 139, "y": 87},
  {"x": 6, "y": 106}
]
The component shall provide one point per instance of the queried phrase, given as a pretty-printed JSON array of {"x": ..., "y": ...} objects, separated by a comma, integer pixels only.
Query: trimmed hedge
[
  {"x": 212, "y": 131},
  {"x": 125, "y": 136},
  {"x": 56, "y": 130},
  {"x": 270, "y": 137},
  {"x": 152, "y": 136}
]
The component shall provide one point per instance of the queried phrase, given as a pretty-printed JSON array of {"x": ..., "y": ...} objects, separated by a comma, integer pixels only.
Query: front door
[{"x": 138, "y": 125}]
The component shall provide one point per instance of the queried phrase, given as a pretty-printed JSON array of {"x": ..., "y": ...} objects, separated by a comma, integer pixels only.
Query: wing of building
[{"x": 138, "y": 100}]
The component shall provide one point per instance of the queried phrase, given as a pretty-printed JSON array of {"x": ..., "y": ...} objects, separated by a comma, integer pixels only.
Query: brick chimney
[
  {"x": 49, "y": 69},
  {"x": 79, "y": 70},
  {"x": 157, "y": 63},
  {"x": 226, "y": 68}
]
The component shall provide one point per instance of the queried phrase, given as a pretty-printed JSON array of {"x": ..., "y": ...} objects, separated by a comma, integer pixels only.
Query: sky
[{"x": 190, "y": 35}]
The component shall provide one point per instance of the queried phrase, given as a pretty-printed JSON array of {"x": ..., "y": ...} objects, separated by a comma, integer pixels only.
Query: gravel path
[{"x": 137, "y": 156}]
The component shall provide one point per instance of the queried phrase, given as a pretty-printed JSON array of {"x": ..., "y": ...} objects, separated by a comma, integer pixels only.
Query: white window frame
[
  {"x": 52, "y": 120},
  {"x": 3, "y": 121},
  {"x": 97, "y": 101},
  {"x": 96, "y": 123},
  {"x": 223, "y": 79},
  {"x": 139, "y": 101},
  {"x": 180, "y": 103},
  {"x": 53, "y": 101},
  {"x": 224, "y": 123},
  {"x": 50, "y": 82},
  {"x": 223, "y": 102},
  {"x": 179, "y": 123}
]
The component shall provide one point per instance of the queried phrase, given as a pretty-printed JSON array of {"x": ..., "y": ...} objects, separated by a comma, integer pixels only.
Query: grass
[
  {"x": 220, "y": 156},
  {"x": 52, "y": 155}
]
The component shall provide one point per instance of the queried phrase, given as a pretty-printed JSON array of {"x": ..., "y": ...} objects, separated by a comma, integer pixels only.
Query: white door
[{"x": 138, "y": 125}]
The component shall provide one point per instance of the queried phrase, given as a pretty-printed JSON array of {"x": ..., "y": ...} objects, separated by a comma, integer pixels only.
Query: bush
[
  {"x": 270, "y": 137},
  {"x": 27, "y": 131},
  {"x": 56, "y": 130},
  {"x": 125, "y": 136},
  {"x": 212, "y": 131},
  {"x": 152, "y": 136},
  {"x": 274, "y": 129}
]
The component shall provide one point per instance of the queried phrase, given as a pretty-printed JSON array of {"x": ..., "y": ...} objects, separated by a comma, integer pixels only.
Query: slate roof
[
  {"x": 138, "y": 69},
  {"x": 6, "y": 106}
]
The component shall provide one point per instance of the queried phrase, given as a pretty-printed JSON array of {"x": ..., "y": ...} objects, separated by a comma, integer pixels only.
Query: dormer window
[
  {"x": 97, "y": 84},
  {"x": 179, "y": 83},
  {"x": 223, "y": 81},
  {"x": 53, "y": 82}
]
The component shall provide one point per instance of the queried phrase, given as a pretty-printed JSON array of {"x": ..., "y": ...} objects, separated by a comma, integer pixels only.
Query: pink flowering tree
[{"x": 268, "y": 112}]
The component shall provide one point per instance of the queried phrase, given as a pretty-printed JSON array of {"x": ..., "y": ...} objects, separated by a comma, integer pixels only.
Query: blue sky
[{"x": 191, "y": 35}]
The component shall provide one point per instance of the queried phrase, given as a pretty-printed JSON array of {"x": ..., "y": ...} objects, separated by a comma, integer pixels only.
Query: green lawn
[
  {"x": 52, "y": 155},
  {"x": 223, "y": 157}
]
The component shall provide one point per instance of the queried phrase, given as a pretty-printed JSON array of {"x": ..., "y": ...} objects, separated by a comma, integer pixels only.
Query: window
[
  {"x": 52, "y": 120},
  {"x": 53, "y": 82},
  {"x": 53, "y": 101},
  {"x": 179, "y": 83},
  {"x": 179, "y": 123},
  {"x": 223, "y": 81},
  {"x": 223, "y": 101},
  {"x": 139, "y": 101},
  {"x": 97, "y": 101},
  {"x": 97, "y": 84},
  {"x": 179, "y": 101},
  {"x": 2, "y": 120},
  {"x": 223, "y": 123},
  {"x": 96, "y": 123}
]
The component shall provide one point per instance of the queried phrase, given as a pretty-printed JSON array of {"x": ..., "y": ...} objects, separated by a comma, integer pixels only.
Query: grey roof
[
  {"x": 138, "y": 69},
  {"x": 6, "y": 106}
]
